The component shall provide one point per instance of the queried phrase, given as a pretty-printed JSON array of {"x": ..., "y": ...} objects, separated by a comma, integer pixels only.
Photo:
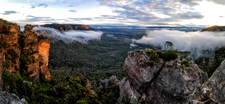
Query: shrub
[
  {"x": 153, "y": 55},
  {"x": 4, "y": 44},
  {"x": 169, "y": 55},
  {"x": 181, "y": 57},
  {"x": 155, "y": 73},
  {"x": 184, "y": 55},
  {"x": 151, "y": 63},
  {"x": 186, "y": 63},
  {"x": 182, "y": 67},
  {"x": 11, "y": 55},
  {"x": 175, "y": 63}
]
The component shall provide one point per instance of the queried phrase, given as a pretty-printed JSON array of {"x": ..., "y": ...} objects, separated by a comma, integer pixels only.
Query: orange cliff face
[
  {"x": 44, "y": 45},
  {"x": 11, "y": 35},
  {"x": 30, "y": 52},
  {"x": 36, "y": 49},
  {"x": 24, "y": 53}
]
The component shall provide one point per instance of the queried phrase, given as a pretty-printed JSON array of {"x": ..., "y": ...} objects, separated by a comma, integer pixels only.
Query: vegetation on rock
[
  {"x": 219, "y": 56},
  {"x": 169, "y": 55},
  {"x": 4, "y": 22}
]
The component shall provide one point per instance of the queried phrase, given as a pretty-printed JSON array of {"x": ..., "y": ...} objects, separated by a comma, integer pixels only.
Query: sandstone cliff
[
  {"x": 168, "y": 82},
  {"x": 67, "y": 27},
  {"x": 24, "y": 53},
  {"x": 9, "y": 46}
]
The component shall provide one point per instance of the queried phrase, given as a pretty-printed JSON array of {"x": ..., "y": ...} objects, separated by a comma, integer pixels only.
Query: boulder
[
  {"x": 169, "y": 82},
  {"x": 10, "y": 98},
  {"x": 108, "y": 83}
]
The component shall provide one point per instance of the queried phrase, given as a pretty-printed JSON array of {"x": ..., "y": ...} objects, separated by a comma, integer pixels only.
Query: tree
[{"x": 168, "y": 45}]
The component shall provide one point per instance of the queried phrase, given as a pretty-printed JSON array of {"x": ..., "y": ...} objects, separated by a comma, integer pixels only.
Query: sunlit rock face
[
  {"x": 165, "y": 82},
  {"x": 11, "y": 35},
  {"x": 25, "y": 52},
  {"x": 30, "y": 50},
  {"x": 44, "y": 46}
]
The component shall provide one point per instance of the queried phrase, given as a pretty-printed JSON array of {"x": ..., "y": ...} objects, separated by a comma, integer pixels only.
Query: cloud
[
  {"x": 31, "y": 18},
  {"x": 155, "y": 11},
  {"x": 73, "y": 11},
  {"x": 195, "y": 42},
  {"x": 69, "y": 36},
  {"x": 9, "y": 12},
  {"x": 222, "y": 2},
  {"x": 40, "y": 5},
  {"x": 80, "y": 19}
]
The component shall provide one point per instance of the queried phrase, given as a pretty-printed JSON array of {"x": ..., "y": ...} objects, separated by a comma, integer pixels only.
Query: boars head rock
[
  {"x": 44, "y": 45},
  {"x": 158, "y": 77}
]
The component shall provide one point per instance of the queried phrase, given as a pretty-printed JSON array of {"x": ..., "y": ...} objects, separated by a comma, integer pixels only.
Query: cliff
[
  {"x": 24, "y": 53},
  {"x": 172, "y": 81},
  {"x": 214, "y": 28},
  {"x": 9, "y": 46},
  {"x": 67, "y": 27}
]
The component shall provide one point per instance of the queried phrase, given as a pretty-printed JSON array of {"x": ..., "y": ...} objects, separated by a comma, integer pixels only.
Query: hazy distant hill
[{"x": 214, "y": 28}]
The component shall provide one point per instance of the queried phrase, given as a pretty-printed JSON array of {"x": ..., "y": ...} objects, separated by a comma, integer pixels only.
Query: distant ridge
[
  {"x": 67, "y": 27},
  {"x": 214, "y": 28}
]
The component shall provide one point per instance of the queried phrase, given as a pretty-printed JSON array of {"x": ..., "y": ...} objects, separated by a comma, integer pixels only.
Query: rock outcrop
[
  {"x": 30, "y": 51},
  {"x": 24, "y": 53},
  {"x": 67, "y": 27},
  {"x": 108, "y": 83},
  {"x": 10, "y": 98},
  {"x": 214, "y": 88},
  {"x": 170, "y": 82},
  {"x": 9, "y": 38}
]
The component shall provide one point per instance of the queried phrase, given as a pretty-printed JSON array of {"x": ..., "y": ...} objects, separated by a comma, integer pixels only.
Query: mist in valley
[
  {"x": 68, "y": 36},
  {"x": 198, "y": 43}
]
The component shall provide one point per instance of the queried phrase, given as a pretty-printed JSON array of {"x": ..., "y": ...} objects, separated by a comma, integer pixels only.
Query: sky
[{"x": 115, "y": 12}]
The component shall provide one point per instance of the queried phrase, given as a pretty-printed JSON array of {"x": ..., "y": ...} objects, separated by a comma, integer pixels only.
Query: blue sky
[{"x": 115, "y": 12}]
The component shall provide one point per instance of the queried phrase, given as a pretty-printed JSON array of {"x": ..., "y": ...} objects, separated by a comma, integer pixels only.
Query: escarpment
[
  {"x": 67, "y": 27},
  {"x": 24, "y": 53}
]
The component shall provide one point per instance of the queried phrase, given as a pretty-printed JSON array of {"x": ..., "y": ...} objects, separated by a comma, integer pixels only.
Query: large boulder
[{"x": 171, "y": 82}]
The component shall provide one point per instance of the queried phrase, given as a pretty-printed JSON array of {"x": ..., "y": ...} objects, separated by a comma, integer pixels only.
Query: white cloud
[
  {"x": 195, "y": 42},
  {"x": 70, "y": 36}
]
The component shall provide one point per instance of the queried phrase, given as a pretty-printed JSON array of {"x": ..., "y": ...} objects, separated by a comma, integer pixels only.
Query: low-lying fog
[
  {"x": 198, "y": 43},
  {"x": 69, "y": 36}
]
